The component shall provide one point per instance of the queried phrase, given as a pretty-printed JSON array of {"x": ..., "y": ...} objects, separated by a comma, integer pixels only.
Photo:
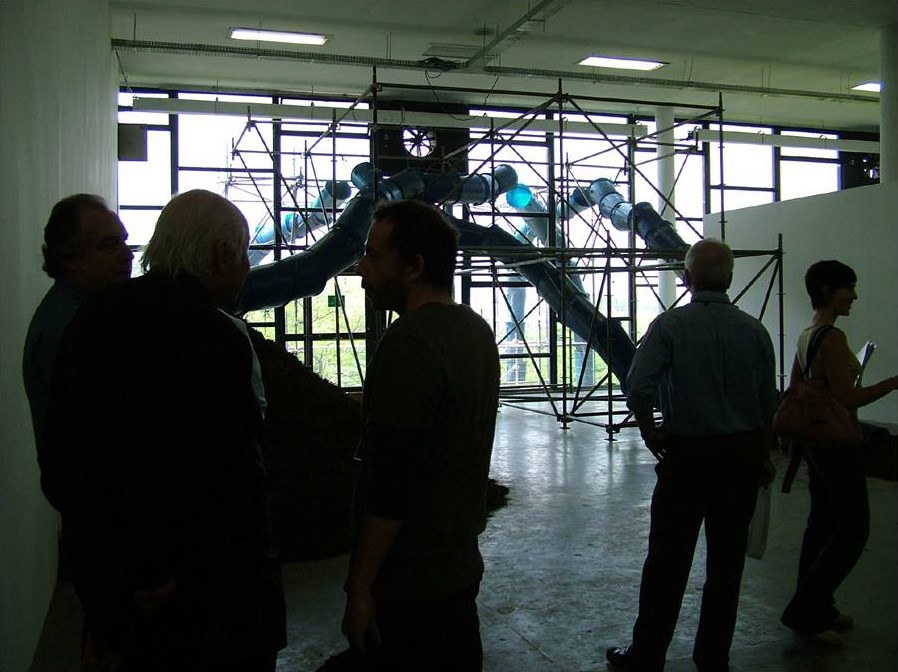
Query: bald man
[{"x": 711, "y": 367}]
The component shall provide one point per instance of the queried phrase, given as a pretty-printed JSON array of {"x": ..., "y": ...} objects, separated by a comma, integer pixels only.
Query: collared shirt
[
  {"x": 256, "y": 376},
  {"x": 48, "y": 324},
  {"x": 709, "y": 365}
]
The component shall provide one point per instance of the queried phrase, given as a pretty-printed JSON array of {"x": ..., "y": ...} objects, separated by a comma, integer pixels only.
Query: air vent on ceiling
[{"x": 457, "y": 51}]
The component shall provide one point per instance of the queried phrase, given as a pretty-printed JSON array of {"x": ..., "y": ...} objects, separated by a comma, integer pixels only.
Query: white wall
[
  {"x": 858, "y": 227},
  {"x": 58, "y": 134}
]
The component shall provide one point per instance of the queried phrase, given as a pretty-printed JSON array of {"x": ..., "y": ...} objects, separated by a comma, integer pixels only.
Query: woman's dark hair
[
  {"x": 62, "y": 235},
  {"x": 420, "y": 228},
  {"x": 830, "y": 273}
]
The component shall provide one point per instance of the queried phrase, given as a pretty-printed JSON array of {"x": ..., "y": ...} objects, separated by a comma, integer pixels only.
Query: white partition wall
[
  {"x": 58, "y": 134},
  {"x": 858, "y": 227}
]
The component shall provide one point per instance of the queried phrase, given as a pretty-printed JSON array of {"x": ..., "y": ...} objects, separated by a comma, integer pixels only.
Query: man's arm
[
  {"x": 376, "y": 537},
  {"x": 394, "y": 460},
  {"x": 654, "y": 438},
  {"x": 651, "y": 360}
]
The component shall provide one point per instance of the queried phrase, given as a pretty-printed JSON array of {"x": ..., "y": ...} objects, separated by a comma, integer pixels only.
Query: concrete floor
[{"x": 563, "y": 563}]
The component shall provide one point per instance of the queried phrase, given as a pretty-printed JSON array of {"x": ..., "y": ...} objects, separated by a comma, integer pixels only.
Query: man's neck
[
  {"x": 74, "y": 287},
  {"x": 422, "y": 295}
]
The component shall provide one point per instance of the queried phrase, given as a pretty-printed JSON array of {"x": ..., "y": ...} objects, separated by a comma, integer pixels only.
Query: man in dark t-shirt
[{"x": 429, "y": 413}]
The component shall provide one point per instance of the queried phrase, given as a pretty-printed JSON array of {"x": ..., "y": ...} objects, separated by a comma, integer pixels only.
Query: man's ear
[
  {"x": 416, "y": 268},
  {"x": 221, "y": 256},
  {"x": 69, "y": 263},
  {"x": 687, "y": 278},
  {"x": 72, "y": 266}
]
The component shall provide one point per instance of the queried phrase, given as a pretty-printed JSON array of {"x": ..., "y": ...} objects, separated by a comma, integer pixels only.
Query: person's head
[
  {"x": 831, "y": 283},
  {"x": 202, "y": 234},
  {"x": 709, "y": 266},
  {"x": 85, "y": 244},
  {"x": 411, "y": 246}
]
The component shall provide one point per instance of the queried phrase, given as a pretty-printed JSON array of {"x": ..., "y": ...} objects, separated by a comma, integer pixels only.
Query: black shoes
[
  {"x": 711, "y": 667},
  {"x": 624, "y": 658}
]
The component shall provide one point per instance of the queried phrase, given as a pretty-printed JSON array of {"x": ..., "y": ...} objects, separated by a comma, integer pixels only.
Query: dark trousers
[
  {"x": 172, "y": 640},
  {"x": 837, "y": 529},
  {"x": 434, "y": 636},
  {"x": 715, "y": 480},
  {"x": 264, "y": 663}
]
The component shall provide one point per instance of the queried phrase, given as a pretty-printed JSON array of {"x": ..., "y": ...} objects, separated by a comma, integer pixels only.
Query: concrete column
[
  {"x": 664, "y": 119},
  {"x": 58, "y": 95},
  {"x": 888, "y": 102}
]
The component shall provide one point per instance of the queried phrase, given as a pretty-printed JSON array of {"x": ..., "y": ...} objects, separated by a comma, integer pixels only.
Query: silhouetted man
[
  {"x": 153, "y": 458},
  {"x": 429, "y": 414},
  {"x": 712, "y": 368},
  {"x": 85, "y": 251}
]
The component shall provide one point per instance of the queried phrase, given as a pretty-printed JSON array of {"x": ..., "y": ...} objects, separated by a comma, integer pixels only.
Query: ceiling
[{"x": 788, "y": 62}]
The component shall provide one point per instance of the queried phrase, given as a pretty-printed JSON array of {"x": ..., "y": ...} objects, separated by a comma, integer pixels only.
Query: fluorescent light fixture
[
  {"x": 276, "y": 36},
  {"x": 875, "y": 87},
  {"x": 621, "y": 63}
]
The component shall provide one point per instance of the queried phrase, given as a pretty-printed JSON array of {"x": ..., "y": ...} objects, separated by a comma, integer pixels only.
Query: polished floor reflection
[{"x": 563, "y": 566}]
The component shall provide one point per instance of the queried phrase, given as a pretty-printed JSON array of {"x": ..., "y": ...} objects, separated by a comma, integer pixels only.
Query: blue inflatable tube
[
  {"x": 658, "y": 233},
  {"x": 607, "y": 338},
  {"x": 294, "y": 225},
  {"x": 307, "y": 274}
]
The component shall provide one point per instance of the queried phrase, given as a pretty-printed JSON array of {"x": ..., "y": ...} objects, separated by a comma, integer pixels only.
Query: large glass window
[
  {"x": 741, "y": 175},
  {"x": 808, "y": 172},
  {"x": 292, "y": 178}
]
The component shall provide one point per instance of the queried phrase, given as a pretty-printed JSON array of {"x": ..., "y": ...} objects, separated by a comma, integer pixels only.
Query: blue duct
[
  {"x": 333, "y": 195},
  {"x": 521, "y": 199},
  {"x": 362, "y": 175},
  {"x": 474, "y": 188},
  {"x": 608, "y": 339},
  {"x": 306, "y": 274},
  {"x": 448, "y": 187},
  {"x": 538, "y": 227},
  {"x": 658, "y": 233},
  {"x": 577, "y": 202}
]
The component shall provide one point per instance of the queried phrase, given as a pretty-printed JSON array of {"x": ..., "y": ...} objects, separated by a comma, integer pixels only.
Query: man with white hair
[
  {"x": 153, "y": 459},
  {"x": 711, "y": 367}
]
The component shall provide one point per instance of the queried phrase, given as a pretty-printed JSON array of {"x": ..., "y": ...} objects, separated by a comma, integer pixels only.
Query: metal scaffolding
[{"x": 563, "y": 383}]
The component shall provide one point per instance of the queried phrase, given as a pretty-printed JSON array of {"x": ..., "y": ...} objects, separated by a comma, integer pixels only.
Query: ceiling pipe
[
  {"x": 512, "y": 34},
  {"x": 257, "y": 53}
]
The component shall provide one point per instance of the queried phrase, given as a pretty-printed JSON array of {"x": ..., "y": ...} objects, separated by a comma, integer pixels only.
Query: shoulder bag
[{"x": 808, "y": 413}]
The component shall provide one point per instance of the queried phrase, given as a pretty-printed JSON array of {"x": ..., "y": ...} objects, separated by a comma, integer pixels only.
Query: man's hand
[
  {"x": 359, "y": 620},
  {"x": 97, "y": 657},
  {"x": 656, "y": 441},
  {"x": 150, "y": 601},
  {"x": 768, "y": 473}
]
